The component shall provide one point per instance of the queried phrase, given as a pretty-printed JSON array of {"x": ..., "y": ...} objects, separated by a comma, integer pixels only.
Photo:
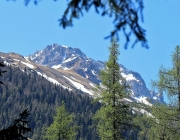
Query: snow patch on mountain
[
  {"x": 143, "y": 100},
  {"x": 51, "y": 80},
  {"x": 57, "y": 66},
  {"x": 78, "y": 86},
  {"x": 27, "y": 64},
  {"x": 93, "y": 72},
  {"x": 126, "y": 99},
  {"x": 92, "y": 85},
  {"x": 27, "y": 59},
  {"x": 67, "y": 58},
  {"x": 129, "y": 77},
  {"x": 6, "y": 63},
  {"x": 64, "y": 46}
]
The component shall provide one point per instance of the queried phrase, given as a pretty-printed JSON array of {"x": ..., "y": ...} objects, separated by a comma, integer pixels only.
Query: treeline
[
  {"x": 22, "y": 90},
  {"x": 111, "y": 117}
]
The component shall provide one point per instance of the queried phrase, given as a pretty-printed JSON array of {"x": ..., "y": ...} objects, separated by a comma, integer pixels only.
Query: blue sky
[{"x": 26, "y": 29}]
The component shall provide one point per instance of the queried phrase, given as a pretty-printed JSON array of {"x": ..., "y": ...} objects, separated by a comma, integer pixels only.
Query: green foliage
[
  {"x": 22, "y": 90},
  {"x": 113, "y": 119},
  {"x": 18, "y": 130},
  {"x": 163, "y": 122},
  {"x": 169, "y": 79},
  {"x": 62, "y": 126}
]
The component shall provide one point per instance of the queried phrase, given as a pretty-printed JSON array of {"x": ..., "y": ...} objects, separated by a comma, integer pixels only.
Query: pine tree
[
  {"x": 113, "y": 117},
  {"x": 62, "y": 127}
]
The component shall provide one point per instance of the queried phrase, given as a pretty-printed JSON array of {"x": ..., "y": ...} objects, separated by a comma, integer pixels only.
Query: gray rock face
[{"x": 59, "y": 56}]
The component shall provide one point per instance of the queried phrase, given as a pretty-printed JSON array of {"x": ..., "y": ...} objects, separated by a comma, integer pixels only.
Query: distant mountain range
[{"x": 72, "y": 69}]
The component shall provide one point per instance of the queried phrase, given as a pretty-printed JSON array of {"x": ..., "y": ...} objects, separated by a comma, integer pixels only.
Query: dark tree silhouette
[
  {"x": 126, "y": 14},
  {"x": 18, "y": 129},
  {"x": 2, "y": 71}
]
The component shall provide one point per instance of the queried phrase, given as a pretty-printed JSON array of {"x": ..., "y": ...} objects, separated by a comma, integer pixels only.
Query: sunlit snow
[
  {"x": 78, "y": 86},
  {"x": 27, "y": 59},
  {"x": 142, "y": 99},
  {"x": 57, "y": 66},
  {"x": 93, "y": 72},
  {"x": 6, "y": 63},
  {"x": 52, "y": 80},
  {"x": 129, "y": 77},
  {"x": 27, "y": 64},
  {"x": 64, "y": 46},
  {"x": 127, "y": 99},
  {"x": 92, "y": 84},
  {"x": 69, "y": 59},
  {"x": 156, "y": 97},
  {"x": 65, "y": 68}
]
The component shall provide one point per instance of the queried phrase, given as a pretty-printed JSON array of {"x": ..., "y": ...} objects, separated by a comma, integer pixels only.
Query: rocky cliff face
[{"x": 67, "y": 58}]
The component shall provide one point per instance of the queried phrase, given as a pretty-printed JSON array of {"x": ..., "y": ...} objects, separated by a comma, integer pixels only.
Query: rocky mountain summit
[{"x": 66, "y": 58}]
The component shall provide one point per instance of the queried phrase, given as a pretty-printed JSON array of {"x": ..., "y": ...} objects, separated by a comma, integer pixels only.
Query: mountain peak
[{"x": 68, "y": 58}]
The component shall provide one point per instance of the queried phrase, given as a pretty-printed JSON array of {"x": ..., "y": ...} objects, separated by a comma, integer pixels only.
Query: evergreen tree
[
  {"x": 169, "y": 79},
  {"x": 18, "y": 129},
  {"x": 164, "y": 121},
  {"x": 62, "y": 127},
  {"x": 113, "y": 118},
  {"x": 160, "y": 122},
  {"x": 20, "y": 126},
  {"x": 2, "y": 71}
]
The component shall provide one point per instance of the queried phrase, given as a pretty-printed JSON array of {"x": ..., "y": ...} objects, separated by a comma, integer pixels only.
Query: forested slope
[{"x": 22, "y": 90}]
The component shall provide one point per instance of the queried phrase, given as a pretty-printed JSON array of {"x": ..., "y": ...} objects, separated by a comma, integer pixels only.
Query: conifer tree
[
  {"x": 164, "y": 121},
  {"x": 18, "y": 129},
  {"x": 62, "y": 127},
  {"x": 113, "y": 117},
  {"x": 161, "y": 122},
  {"x": 20, "y": 126},
  {"x": 2, "y": 71},
  {"x": 169, "y": 79}
]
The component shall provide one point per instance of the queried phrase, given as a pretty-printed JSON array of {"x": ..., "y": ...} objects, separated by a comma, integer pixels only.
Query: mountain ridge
[
  {"x": 75, "y": 59},
  {"x": 72, "y": 69}
]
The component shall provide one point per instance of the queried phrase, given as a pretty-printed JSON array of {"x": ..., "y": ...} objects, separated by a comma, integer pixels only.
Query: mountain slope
[
  {"x": 73, "y": 70},
  {"x": 41, "y": 97},
  {"x": 57, "y": 56},
  {"x": 67, "y": 58},
  {"x": 68, "y": 79}
]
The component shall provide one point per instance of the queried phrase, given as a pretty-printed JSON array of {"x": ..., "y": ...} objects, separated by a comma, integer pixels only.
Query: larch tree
[
  {"x": 62, "y": 127},
  {"x": 112, "y": 120},
  {"x": 169, "y": 83},
  {"x": 161, "y": 122},
  {"x": 169, "y": 79},
  {"x": 164, "y": 121}
]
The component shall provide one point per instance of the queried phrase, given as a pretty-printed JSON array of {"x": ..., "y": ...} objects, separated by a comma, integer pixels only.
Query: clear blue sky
[{"x": 25, "y": 29}]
